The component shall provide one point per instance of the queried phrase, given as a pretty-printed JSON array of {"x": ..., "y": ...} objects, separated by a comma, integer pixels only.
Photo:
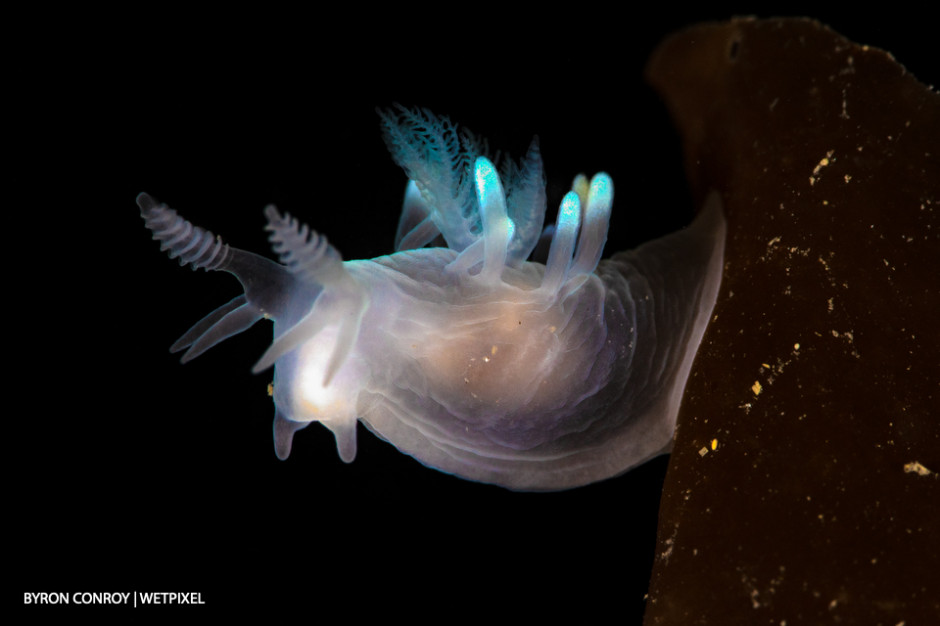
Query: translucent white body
[{"x": 469, "y": 357}]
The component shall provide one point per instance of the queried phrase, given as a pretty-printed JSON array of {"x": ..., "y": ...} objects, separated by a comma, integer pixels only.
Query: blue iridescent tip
[{"x": 496, "y": 225}]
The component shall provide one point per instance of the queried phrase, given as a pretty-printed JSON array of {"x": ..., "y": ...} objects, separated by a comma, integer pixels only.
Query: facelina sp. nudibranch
[{"x": 538, "y": 373}]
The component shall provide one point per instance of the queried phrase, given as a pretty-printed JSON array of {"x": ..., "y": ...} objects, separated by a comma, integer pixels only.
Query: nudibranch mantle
[{"x": 477, "y": 358}]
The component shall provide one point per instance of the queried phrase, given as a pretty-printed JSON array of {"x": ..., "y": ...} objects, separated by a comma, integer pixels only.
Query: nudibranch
[{"x": 512, "y": 356}]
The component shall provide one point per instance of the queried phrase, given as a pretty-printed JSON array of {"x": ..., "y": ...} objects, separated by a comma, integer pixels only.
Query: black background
[{"x": 133, "y": 472}]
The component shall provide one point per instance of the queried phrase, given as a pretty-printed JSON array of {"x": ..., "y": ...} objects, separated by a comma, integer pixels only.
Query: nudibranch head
[{"x": 512, "y": 356}]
